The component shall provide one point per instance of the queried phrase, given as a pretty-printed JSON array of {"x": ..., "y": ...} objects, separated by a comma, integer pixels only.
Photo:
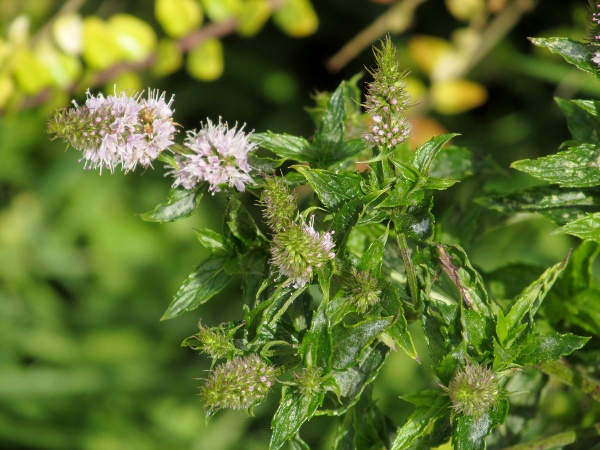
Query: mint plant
[{"x": 330, "y": 284}]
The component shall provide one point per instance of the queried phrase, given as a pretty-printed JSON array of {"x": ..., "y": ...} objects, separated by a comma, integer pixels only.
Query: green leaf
[
  {"x": 207, "y": 279},
  {"x": 372, "y": 259},
  {"x": 528, "y": 301},
  {"x": 469, "y": 433},
  {"x": 574, "y": 52},
  {"x": 391, "y": 305},
  {"x": 478, "y": 332},
  {"x": 213, "y": 241},
  {"x": 578, "y": 275},
  {"x": 576, "y": 167},
  {"x": 285, "y": 145},
  {"x": 316, "y": 347},
  {"x": 586, "y": 228},
  {"x": 415, "y": 221},
  {"x": 548, "y": 347},
  {"x": 241, "y": 224},
  {"x": 330, "y": 131},
  {"x": 586, "y": 311},
  {"x": 348, "y": 342},
  {"x": 558, "y": 204},
  {"x": 430, "y": 407},
  {"x": 354, "y": 380},
  {"x": 344, "y": 150},
  {"x": 333, "y": 189},
  {"x": 453, "y": 162},
  {"x": 583, "y": 119},
  {"x": 181, "y": 203},
  {"x": 294, "y": 409},
  {"x": 426, "y": 153}
]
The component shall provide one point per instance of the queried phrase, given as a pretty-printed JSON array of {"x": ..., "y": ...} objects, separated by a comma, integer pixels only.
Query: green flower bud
[
  {"x": 279, "y": 204},
  {"x": 386, "y": 99},
  {"x": 216, "y": 342},
  {"x": 361, "y": 289},
  {"x": 309, "y": 381},
  {"x": 474, "y": 390},
  {"x": 238, "y": 384}
]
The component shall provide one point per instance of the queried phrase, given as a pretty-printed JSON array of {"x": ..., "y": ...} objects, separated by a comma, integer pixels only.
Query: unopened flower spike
[
  {"x": 361, "y": 289},
  {"x": 300, "y": 251},
  {"x": 218, "y": 155},
  {"x": 594, "y": 31},
  {"x": 386, "y": 99},
  {"x": 474, "y": 390},
  {"x": 238, "y": 384},
  {"x": 216, "y": 342},
  {"x": 279, "y": 204},
  {"x": 117, "y": 129}
]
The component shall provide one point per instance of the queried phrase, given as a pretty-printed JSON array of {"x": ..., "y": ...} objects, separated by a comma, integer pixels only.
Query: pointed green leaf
[
  {"x": 316, "y": 349},
  {"x": 344, "y": 150},
  {"x": 574, "y": 52},
  {"x": 579, "y": 166},
  {"x": 548, "y": 347},
  {"x": 430, "y": 407},
  {"x": 469, "y": 432},
  {"x": 285, "y": 145},
  {"x": 425, "y": 154},
  {"x": 333, "y": 189},
  {"x": 391, "y": 305},
  {"x": 207, "y": 279},
  {"x": 331, "y": 128},
  {"x": 181, "y": 203},
  {"x": 241, "y": 224},
  {"x": 294, "y": 409},
  {"x": 213, "y": 241},
  {"x": 583, "y": 119},
  {"x": 586, "y": 228},
  {"x": 372, "y": 259}
]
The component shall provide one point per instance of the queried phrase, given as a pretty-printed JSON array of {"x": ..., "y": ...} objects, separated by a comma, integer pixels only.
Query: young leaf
[
  {"x": 294, "y": 409},
  {"x": 330, "y": 131},
  {"x": 333, "y": 189},
  {"x": 426, "y": 153},
  {"x": 181, "y": 203},
  {"x": 576, "y": 167},
  {"x": 285, "y": 145},
  {"x": 213, "y": 241},
  {"x": 207, "y": 279},
  {"x": 583, "y": 119},
  {"x": 548, "y": 347}
]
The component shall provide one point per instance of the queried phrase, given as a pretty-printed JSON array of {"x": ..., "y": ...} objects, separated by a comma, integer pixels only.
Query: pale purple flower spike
[{"x": 219, "y": 156}]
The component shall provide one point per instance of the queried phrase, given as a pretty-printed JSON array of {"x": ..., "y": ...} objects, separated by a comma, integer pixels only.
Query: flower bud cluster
[
  {"x": 594, "y": 33},
  {"x": 308, "y": 381},
  {"x": 215, "y": 342},
  {"x": 474, "y": 390},
  {"x": 386, "y": 100},
  {"x": 238, "y": 384},
  {"x": 218, "y": 155},
  {"x": 361, "y": 289},
  {"x": 117, "y": 129},
  {"x": 300, "y": 250},
  {"x": 279, "y": 204}
]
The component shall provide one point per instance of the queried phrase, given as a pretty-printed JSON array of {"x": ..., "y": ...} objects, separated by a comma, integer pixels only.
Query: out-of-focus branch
[{"x": 396, "y": 20}]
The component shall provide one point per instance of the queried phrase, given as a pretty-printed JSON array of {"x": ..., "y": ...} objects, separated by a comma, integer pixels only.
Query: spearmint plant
[{"x": 329, "y": 290}]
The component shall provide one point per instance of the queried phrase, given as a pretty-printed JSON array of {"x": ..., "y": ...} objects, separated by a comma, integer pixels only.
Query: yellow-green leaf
[
  {"x": 178, "y": 17},
  {"x": 220, "y": 10},
  {"x": 297, "y": 18},
  {"x": 29, "y": 72},
  {"x": 169, "y": 58},
  {"x": 457, "y": 96},
  {"x": 100, "y": 46},
  {"x": 63, "y": 69},
  {"x": 67, "y": 31},
  {"x": 205, "y": 61},
  {"x": 253, "y": 16},
  {"x": 135, "y": 37}
]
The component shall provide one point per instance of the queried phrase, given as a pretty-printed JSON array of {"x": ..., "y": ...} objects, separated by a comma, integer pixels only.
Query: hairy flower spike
[
  {"x": 474, "y": 390},
  {"x": 216, "y": 342},
  {"x": 238, "y": 384},
  {"x": 386, "y": 100},
  {"x": 594, "y": 31},
  {"x": 279, "y": 204},
  {"x": 362, "y": 290},
  {"x": 118, "y": 129},
  {"x": 218, "y": 155},
  {"x": 299, "y": 251}
]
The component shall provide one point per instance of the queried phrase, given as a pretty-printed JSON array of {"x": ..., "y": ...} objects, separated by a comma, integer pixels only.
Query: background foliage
[{"x": 84, "y": 361}]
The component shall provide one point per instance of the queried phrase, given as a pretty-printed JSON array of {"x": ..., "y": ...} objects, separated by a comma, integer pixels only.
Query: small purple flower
[
  {"x": 219, "y": 156},
  {"x": 117, "y": 129}
]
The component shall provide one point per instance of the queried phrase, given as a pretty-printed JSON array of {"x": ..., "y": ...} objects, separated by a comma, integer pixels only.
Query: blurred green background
[{"x": 85, "y": 362}]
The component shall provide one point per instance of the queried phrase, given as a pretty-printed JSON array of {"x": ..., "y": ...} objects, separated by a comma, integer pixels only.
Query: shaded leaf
[
  {"x": 181, "y": 203},
  {"x": 586, "y": 228},
  {"x": 548, "y": 347},
  {"x": 583, "y": 119},
  {"x": 425, "y": 154},
  {"x": 284, "y": 145},
  {"x": 333, "y": 189},
  {"x": 574, "y": 52}
]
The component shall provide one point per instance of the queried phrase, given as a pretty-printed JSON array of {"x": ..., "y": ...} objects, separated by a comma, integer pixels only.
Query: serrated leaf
[
  {"x": 579, "y": 166},
  {"x": 333, "y": 189},
  {"x": 241, "y": 225},
  {"x": 452, "y": 162},
  {"x": 285, "y": 145},
  {"x": 558, "y": 204},
  {"x": 574, "y": 52},
  {"x": 316, "y": 349},
  {"x": 372, "y": 259},
  {"x": 426, "y": 153},
  {"x": 528, "y": 301},
  {"x": 294, "y": 409},
  {"x": 586, "y": 228},
  {"x": 391, "y": 305},
  {"x": 469, "y": 432},
  {"x": 207, "y": 279},
  {"x": 330, "y": 131},
  {"x": 348, "y": 342},
  {"x": 181, "y": 203},
  {"x": 582, "y": 119},
  {"x": 548, "y": 347},
  {"x": 342, "y": 151},
  {"x": 213, "y": 241},
  {"x": 430, "y": 407}
]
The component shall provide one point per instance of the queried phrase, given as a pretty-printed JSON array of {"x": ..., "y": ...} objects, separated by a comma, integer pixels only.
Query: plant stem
[
  {"x": 409, "y": 268},
  {"x": 571, "y": 377}
]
